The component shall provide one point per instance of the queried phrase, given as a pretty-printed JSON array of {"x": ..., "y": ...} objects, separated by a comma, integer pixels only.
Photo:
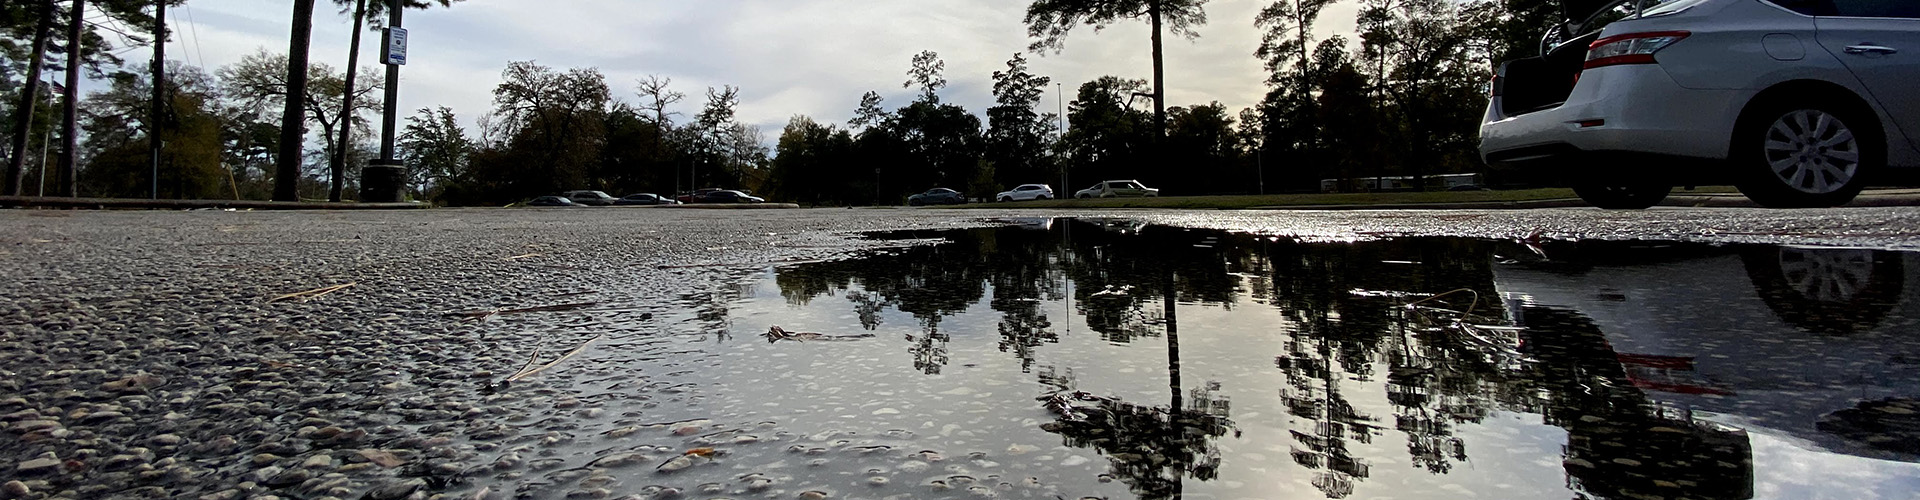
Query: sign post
[
  {"x": 384, "y": 180},
  {"x": 396, "y": 46}
]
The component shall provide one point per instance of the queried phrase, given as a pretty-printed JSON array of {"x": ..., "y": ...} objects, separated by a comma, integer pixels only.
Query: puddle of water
[{"x": 1069, "y": 359}]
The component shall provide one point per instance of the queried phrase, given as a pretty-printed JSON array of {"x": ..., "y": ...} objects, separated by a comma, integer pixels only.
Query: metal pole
[
  {"x": 1060, "y": 123},
  {"x": 1260, "y": 168},
  {"x": 384, "y": 180},
  {"x": 159, "y": 91},
  {"x": 387, "y": 122},
  {"x": 44, "y": 139}
]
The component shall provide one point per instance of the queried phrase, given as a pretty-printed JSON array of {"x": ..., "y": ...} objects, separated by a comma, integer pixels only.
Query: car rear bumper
[{"x": 1634, "y": 110}]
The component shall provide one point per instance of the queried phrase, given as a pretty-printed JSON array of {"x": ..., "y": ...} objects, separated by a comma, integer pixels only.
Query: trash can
[{"x": 383, "y": 181}]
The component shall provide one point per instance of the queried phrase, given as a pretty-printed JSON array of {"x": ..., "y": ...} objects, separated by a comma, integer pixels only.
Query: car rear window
[{"x": 1908, "y": 9}]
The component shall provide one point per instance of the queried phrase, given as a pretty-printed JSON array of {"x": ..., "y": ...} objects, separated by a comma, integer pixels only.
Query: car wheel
[
  {"x": 1827, "y": 291},
  {"x": 1043, "y": 197},
  {"x": 1084, "y": 196},
  {"x": 1807, "y": 155},
  {"x": 1005, "y": 199},
  {"x": 1621, "y": 196}
]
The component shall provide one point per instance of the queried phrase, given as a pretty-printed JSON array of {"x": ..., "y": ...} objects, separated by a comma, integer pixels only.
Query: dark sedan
[
  {"x": 728, "y": 196},
  {"x": 645, "y": 199},
  {"x": 937, "y": 196}
]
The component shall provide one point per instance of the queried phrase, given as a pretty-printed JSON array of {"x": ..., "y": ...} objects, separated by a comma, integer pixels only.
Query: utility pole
[
  {"x": 1159, "y": 77},
  {"x": 45, "y": 140},
  {"x": 67, "y": 185},
  {"x": 382, "y": 180},
  {"x": 1060, "y": 124},
  {"x": 159, "y": 93}
]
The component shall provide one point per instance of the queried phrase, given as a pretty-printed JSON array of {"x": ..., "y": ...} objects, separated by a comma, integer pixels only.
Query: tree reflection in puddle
[{"x": 1646, "y": 364}]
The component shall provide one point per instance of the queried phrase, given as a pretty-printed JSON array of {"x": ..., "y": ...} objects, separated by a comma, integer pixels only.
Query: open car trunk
[
  {"x": 1543, "y": 82},
  {"x": 1577, "y": 13}
]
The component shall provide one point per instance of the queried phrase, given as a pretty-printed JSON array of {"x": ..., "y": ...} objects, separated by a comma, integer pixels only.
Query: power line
[
  {"x": 195, "y": 29},
  {"x": 173, "y": 27},
  {"x": 123, "y": 35}
]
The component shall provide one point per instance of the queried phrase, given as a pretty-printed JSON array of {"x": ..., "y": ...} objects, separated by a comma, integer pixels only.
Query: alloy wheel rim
[
  {"x": 1826, "y": 275},
  {"x": 1812, "y": 151}
]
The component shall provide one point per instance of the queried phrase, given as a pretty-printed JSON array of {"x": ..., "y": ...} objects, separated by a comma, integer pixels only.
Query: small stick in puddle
[
  {"x": 776, "y": 334},
  {"x": 310, "y": 294},
  {"x": 552, "y": 308}
]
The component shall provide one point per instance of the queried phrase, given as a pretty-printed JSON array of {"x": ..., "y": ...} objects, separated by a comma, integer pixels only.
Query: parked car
[
  {"x": 728, "y": 196},
  {"x": 597, "y": 198},
  {"x": 937, "y": 196},
  {"x": 552, "y": 201},
  {"x": 1800, "y": 103},
  {"x": 1026, "y": 192},
  {"x": 644, "y": 199},
  {"x": 1469, "y": 187},
  {"x": 1115, "y": 189},
  {"x": 694, "y": 197}
]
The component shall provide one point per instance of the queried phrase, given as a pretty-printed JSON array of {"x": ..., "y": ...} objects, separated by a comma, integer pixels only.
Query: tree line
[{"x": 1402, "y": 97}]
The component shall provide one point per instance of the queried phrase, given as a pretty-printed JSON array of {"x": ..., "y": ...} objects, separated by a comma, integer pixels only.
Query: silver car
[
  {"x": 1115, "y": 189},
  {"x": 1800, "y": 103}
]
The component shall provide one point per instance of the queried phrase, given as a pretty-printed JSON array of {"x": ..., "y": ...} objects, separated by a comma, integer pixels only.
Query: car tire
[
  {"x": 1043, "y": 197},
  {"x": 1084, "y": 196},
  {"x": 1005, "y": 199},
  {"x": 1827, "y": 291},
  {"x": 1807, "y": 153},
  {"x": 1621, "y": 196}
]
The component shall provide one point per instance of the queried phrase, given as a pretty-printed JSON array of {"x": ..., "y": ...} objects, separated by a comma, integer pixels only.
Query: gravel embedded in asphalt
[{"x": 140, "y": 357}]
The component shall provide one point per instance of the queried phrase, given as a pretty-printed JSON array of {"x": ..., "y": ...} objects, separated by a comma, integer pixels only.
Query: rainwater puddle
[{"x": 1070, "y": 359}]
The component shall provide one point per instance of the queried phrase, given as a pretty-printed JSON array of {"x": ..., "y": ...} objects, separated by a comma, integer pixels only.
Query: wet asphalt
[{"x": 140, "y": 356}]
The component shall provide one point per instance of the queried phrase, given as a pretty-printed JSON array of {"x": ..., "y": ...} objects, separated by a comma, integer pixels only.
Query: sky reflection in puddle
[{"x": 1086, "y": 358}]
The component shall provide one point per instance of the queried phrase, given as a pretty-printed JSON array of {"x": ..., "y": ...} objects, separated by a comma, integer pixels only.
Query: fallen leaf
[{"x": 384, "y": 459}]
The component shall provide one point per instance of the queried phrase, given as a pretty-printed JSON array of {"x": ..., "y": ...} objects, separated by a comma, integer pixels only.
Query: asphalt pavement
[{"x": 143, "y": 354}]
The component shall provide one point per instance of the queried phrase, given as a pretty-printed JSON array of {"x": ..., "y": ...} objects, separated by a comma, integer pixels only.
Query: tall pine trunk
[
  {"x": 157, "y": 119},
  {"x": 286, "y": 177},
  {"x": 68, "y": 184},
  {"x": 339, "y": 160},
  {"x": 29, "y": 97}
]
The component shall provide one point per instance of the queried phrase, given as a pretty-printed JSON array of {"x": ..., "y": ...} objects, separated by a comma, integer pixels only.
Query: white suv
[
  {"x": 1800, "y": 103},
  {"x": 1026, "y": 192}
]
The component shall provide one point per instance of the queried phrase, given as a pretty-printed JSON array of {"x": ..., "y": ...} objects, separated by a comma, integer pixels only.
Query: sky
[{"x": 788, "y": 57}]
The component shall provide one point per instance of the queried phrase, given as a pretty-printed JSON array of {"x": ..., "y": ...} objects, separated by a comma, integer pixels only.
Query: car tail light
[{"x": 1631, "y": 48}]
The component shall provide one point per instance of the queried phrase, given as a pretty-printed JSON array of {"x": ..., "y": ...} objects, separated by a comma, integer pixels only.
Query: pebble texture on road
[{"x": 140, "y": 357}]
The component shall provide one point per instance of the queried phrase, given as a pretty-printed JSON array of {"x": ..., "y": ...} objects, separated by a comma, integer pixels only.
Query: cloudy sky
[{"x": 789, "y": 57}]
